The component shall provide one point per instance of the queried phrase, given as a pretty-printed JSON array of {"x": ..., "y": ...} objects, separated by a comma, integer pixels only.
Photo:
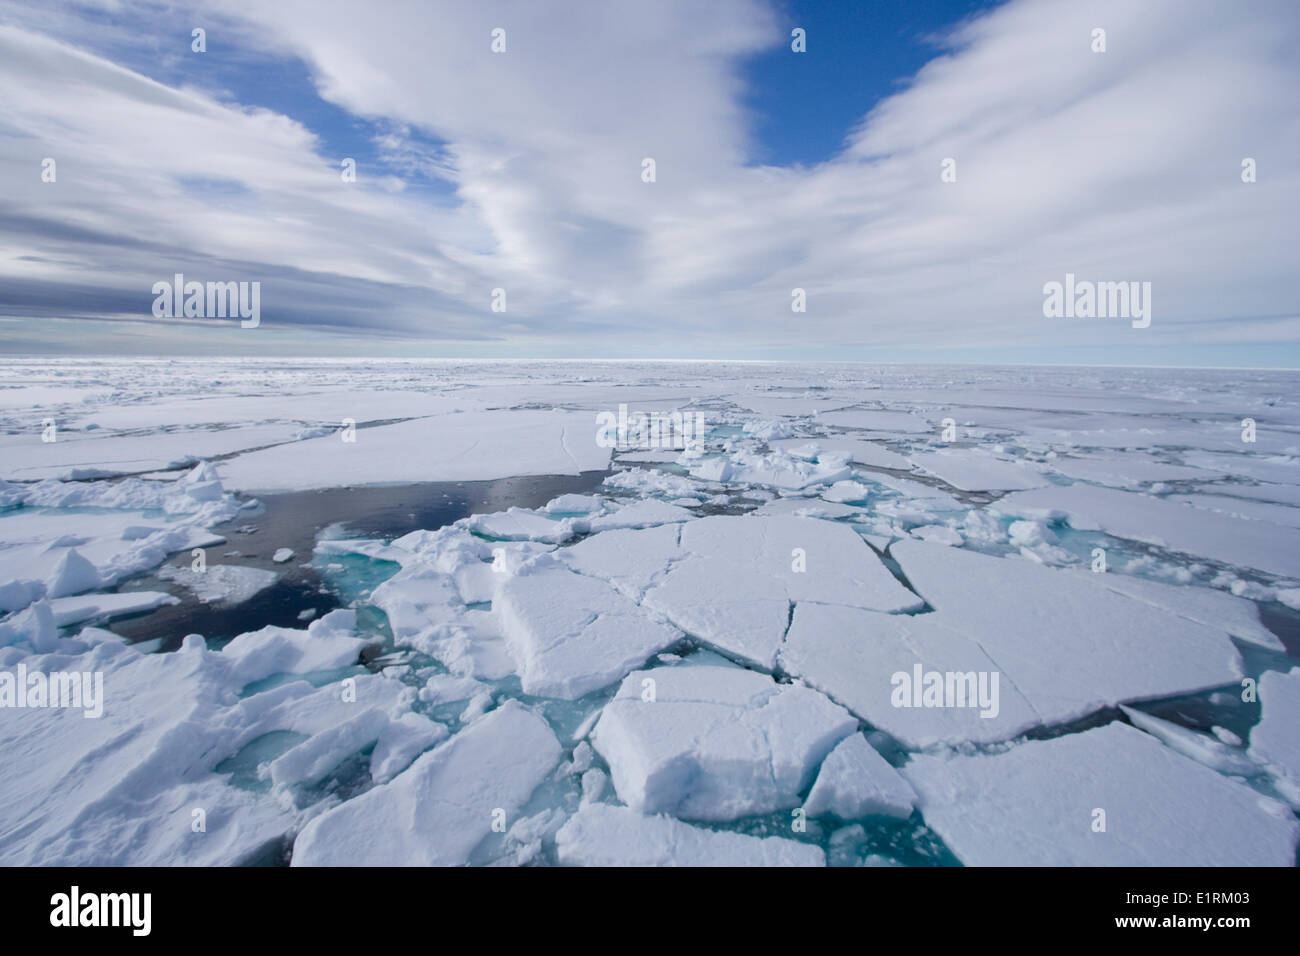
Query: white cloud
[{"x": 1122, "y": 165}]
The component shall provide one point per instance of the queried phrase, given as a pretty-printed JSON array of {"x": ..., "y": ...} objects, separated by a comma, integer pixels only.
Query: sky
[{"x": 920, "y": 170}]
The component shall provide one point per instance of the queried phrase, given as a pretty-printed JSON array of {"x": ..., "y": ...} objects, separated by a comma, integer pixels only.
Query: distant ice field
[{"x": 419, "y": 612}]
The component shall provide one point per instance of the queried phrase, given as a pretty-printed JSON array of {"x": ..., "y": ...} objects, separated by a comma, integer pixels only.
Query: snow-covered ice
[
  {"x": 604, "y": 835},
  {"x": 715, "y": 743},
  {"x": 1038, "y": 805},
  {"x": 661, "y": 660}
]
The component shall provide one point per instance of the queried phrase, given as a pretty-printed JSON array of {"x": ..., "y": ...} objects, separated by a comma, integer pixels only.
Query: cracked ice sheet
[
  {"x": 1063, "y": 645},
  {"x": 470, "y": 446},
  {"x": 729, "y": 580},
  {"x": 440, "y": 808},
  {"x": 1033, "y": 805},
  {"x": 973, "y": 469},
  {"x": 1167, "y": 524},
  {"x": 101, "y": 454},
  {"x": 570, "y": 634},
  {"x": 603, "y": 835},
  {"x": 1128, "y": 470},
  {"x": 715, "y": 743}
]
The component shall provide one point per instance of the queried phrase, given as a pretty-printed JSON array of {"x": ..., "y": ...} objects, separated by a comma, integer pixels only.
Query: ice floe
[
  {"x": 715, "y": 743},
  {"x": 1060, "y": 793}
]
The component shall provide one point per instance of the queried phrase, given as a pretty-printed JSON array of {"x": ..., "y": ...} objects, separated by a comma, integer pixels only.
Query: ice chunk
[
  {"x": 603, "y": 835},
  {"x": 437, "y": 810},
  {"x": 1274, "y": 741},
  {"x": 314, "y": 758},
  {"x": 86, "y": 607},
  {"x": 282, "y": 555},
  {"x": 938, "y": 534},
  {"x": 326, "y": 645},
  {"x": 571, "y": 634},
  {"x": 223, "y": 584},
  {"x": 16, "y": 595},
  {"x": 715, "y": 743},
  {"x": 855, "y": 781},
  {"x": 852, "y": 656},
  {"x": 72, "y": 575},
  {"x": 521, "y": 524},
  {"x": 1152, "y": 797},
  {"x": 1190, "y": 743},
  {"x": 639, "y": 514}
]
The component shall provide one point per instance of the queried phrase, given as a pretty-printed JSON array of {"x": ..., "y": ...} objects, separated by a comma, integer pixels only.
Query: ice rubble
[
  {"x": 1037, "y": 805},
  {"x": 436, "y": 811},
  {"x": 67, "y": 539},
  {"x": 603, "y": 835},
  {"x": 122, "y": 789},
  {"x": 715, "y": 743}
]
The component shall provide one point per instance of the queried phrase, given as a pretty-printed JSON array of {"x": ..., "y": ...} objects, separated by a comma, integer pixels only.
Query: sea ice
[
  {"x": 1060, "y": 792},
  {"x": 855, "y": 781},
  {"x": 603, "y": 835},
  {"x": 436, "y": 811},
  {"x": 715, "y": 743}
]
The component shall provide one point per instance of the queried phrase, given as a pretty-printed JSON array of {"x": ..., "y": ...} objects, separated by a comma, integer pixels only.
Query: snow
[
  {"x": 603, "y": 835},
  {"x": 1153, "y": 799},
  {"x": 855, "y": 781},
  {"x": 715, "y": 743},
  {"x": 440, "y": 808}
]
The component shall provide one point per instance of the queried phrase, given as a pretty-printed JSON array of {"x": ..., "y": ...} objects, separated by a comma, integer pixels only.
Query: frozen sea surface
[{"x": 426, "y": 612}]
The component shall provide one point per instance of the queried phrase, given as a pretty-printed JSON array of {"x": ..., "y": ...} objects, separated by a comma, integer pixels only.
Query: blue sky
[{"x": 775, "y": 171}]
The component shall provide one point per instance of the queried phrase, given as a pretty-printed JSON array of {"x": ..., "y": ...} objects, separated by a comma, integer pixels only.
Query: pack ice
[{"x": 711, "y": 655}]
